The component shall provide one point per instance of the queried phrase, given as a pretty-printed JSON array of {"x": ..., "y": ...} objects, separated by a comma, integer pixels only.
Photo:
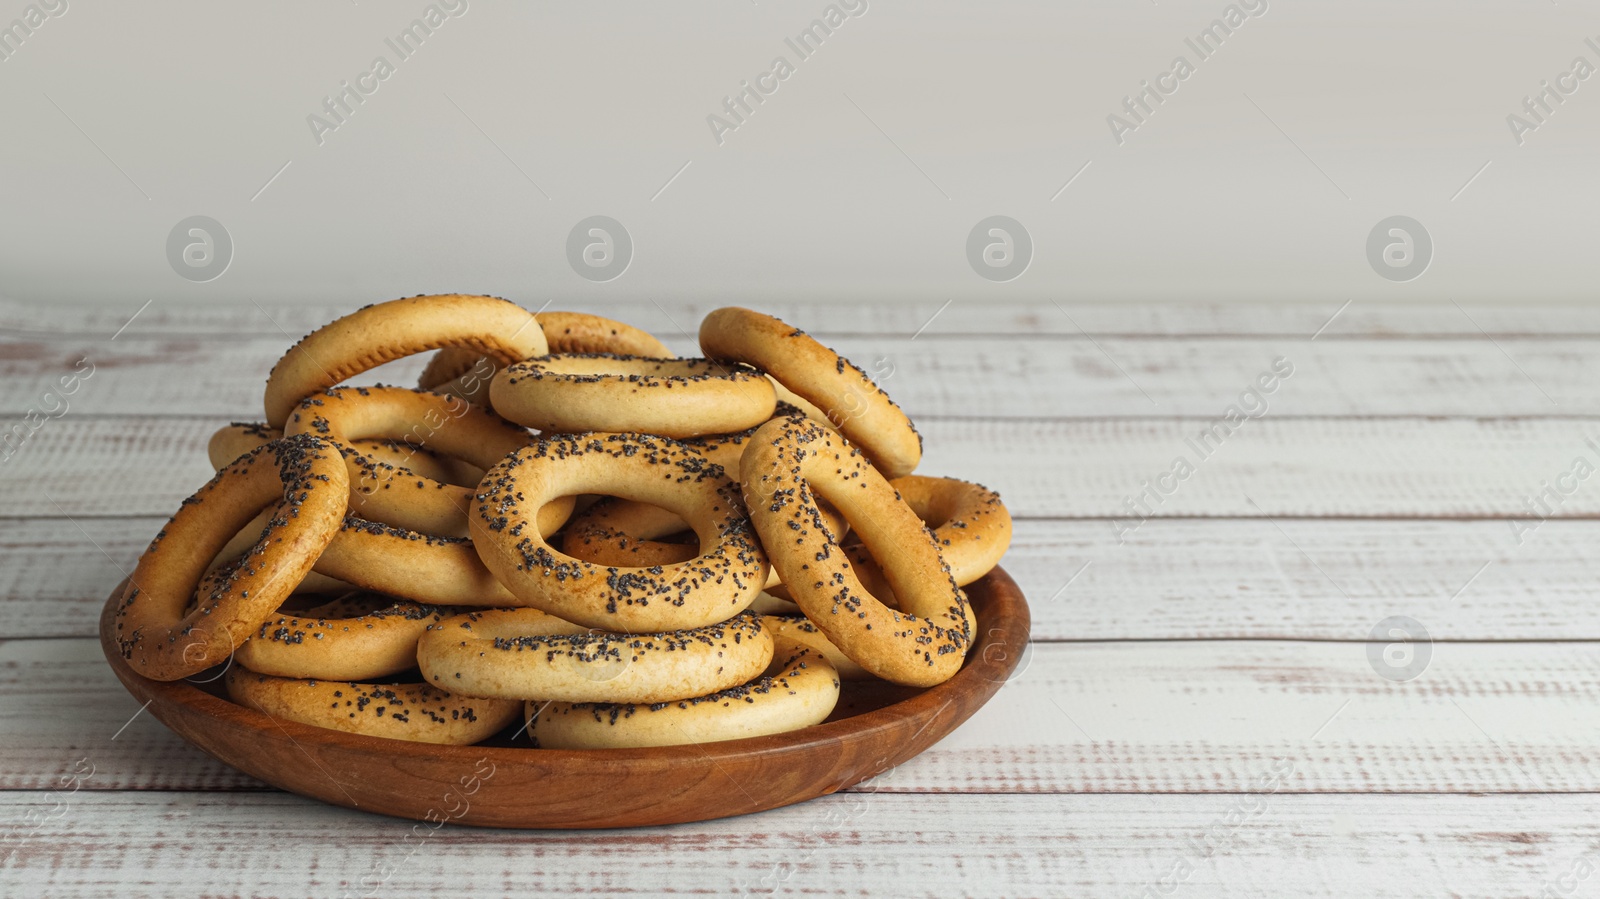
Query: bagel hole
[
  {"x": 870, "y": 575},
  {"x": 403, "y": 372},
  {"x": 607, "y": 532},
  {"x": 638, "y": 520},
  {"x": 314, "y": 589}
]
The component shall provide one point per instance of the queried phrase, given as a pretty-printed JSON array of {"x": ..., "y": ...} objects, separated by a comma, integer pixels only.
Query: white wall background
[{"x": 861, "y": 177}]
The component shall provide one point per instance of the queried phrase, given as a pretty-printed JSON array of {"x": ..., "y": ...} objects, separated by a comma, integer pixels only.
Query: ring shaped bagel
[
  {"x": 464, "y": 373},
  {"x": 492, "y": 654},
  {"x": 793, "y": 461},
  {"x": 852, "y": 402},
  {"x": 446, "y": 424},
  {"x": 799, "y": 689},
  {"x": 234, "y": 440},
  {"x": 304, "y": 479},
  {"x": 625, "y": 533},
  {"x": 349, "y": 638},
  {"x": 415, "y": 712},
  {"x": 712, "y": 587},
  {"x": 388, "y": 331},
  {"x": 621, "y": 532},
  {"x": 969, "y": 522},
  {"x": 675, "y": 398}
]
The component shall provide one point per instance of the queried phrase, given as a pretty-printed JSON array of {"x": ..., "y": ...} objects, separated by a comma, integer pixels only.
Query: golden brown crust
[
  {"x": 615, "y": 531},
  {"x": 460, "y": 372},
  {"x": 677, "y": 398},
  {"x": 714, "y": 586},
  {"x": 440, "y": 506},
  {"x": 388, "y": 331},
  {"x": 798, "y": 629},
  {"x": 851, "y": 401},
  {"x": 771, "y": 604},
  {"x": 228, "y": 559},
  {"x": 443, "y": 571},
  {"x": 799, "y": 689},
  {"x": 580, "y": 332},
  {"x": 969, "y": 522},
  {"x": 349, "y": 638},
  {"x": 464, "y": 373},
  {"x": 627, "y": 535},
  {"x": 415, "y": 712},
  {"x": 369, "y": 555},
  {"x": 304, "y": 477},
  {"x": 621, "y": 532},
  {"x": 518, "y": 654},
  {"x": 788, "y": 465},
  {"x": 234, "y": 440},
  {"x": 399, "y": 496}
]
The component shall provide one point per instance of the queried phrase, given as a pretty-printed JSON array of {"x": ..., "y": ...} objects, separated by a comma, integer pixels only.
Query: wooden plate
[{"x": 515, "y": 785}]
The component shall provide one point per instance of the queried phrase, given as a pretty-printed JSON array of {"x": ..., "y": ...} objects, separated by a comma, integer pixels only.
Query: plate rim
[{"x": 1004, "y": 623}]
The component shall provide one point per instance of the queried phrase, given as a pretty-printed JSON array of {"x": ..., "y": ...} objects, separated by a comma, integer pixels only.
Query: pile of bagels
[{"x": 563, "y": 529}]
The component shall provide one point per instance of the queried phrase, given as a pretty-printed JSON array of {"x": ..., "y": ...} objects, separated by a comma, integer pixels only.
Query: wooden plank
[
  {"x": 1448, "y": 468},
  {"x": 275, "y": 318},
  {"x": 935, "y": 375},
  {"x": 1081, "y": 724},
  {"x": 1174, "y": 579},
  {"x": 1183, "y": 716},
  {"x": 1365, "y": 467},
  {"x": 88, "y": 467},
  {"x": 1307, "y": 579},
  {"x": 112, "y": 846}
]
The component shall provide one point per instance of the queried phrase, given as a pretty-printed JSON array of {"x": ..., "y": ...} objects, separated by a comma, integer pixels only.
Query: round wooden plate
[{"x": 516, "y": 785}]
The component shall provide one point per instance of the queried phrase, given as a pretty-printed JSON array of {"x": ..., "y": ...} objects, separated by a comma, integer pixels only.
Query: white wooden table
[{"x": 1199, "y": 714}]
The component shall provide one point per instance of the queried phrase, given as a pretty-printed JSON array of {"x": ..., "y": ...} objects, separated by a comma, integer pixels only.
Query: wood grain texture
[
  {"x": 1307, "y": 467},
  {"x": 1173, "y": 579},
  {"x": 548, "y": 789},
  {"x": 1389, "y": 319},
  {"x": 1180, "y": 716},
  {"x": 1270, "y": 845},
  {"x": 934, "y": 375},
  {"x": 1023, "y": 799}
]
